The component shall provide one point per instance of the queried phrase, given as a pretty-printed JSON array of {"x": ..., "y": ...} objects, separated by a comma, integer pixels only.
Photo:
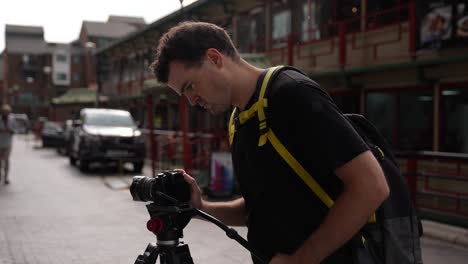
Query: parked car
[
  {"x": 21, "y": 123},
  {"x": 51, "y": 134},
  {"x": 106, "y": 135},
  {"x": 66, "y": 140}
]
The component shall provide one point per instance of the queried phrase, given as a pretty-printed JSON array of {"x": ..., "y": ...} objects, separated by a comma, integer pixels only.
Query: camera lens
[
  {"x": 141, "y": 188},
  {"x": 170, "y": 184}
]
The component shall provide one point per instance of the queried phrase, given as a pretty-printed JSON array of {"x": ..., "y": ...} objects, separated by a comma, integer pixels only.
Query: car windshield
[{"x": 109, "y": 119}]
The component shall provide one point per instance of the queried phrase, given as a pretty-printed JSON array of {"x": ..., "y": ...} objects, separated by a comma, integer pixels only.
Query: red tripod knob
[{"x": 155, "y": 224}]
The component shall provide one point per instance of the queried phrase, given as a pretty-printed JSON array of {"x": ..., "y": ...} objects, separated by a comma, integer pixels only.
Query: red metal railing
[
  {"x": 438, "y": 181},
  {"x": 169, "y": 151},
  {"x": 343, "y": 36}
]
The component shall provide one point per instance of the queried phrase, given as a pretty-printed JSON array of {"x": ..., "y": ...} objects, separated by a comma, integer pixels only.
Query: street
[{"x": 53, "y": 213}]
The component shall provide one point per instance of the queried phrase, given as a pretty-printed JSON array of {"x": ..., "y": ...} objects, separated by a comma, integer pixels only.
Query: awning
[{"x": 77, "y": 96}]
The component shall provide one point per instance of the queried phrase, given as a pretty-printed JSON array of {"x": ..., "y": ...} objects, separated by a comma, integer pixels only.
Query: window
[
  {"x": 60, "y": 76},
  {"x": 76, "y": 59},
  {"x": 454, "y": 121},
  {"x": 26, "y": 59},
  {"x": 76, "y": 77},
  {"x": 61, "y": 58},
  {"x": 281, "y": 26},
  {"x": 380, "y": 110},
  {"x": 251, "y": 32},
  {"x": 310, "y": 30},
  {"x": 405, "y": 118}
]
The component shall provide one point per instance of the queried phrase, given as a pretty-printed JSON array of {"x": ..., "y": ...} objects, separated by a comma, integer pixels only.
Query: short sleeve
[{"x": 311, "y": 126}]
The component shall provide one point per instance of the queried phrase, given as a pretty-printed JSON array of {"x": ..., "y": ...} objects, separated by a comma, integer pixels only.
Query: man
[
  {"x": 284, "y": 217},
  {"x": 6, "y": 134}
]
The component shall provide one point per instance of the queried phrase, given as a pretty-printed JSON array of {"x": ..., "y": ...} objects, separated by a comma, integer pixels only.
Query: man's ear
[{"x": 215, "y": 57}]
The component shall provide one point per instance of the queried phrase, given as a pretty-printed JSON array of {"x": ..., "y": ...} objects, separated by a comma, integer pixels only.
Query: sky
[{"x": 61, "y": 19}]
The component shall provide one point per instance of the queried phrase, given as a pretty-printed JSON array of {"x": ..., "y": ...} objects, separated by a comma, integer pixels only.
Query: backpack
[{"x": 392, "y": 233}]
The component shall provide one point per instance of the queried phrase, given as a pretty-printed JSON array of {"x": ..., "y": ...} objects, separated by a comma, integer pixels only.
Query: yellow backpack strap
[
  {"x": 298, "y": 169},
  {"x": 263, "y": 127},
  {"x": 232, "y": 126}
]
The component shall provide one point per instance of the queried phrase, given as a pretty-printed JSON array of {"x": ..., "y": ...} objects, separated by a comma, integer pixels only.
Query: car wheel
[
  {"x": 138, "y": 167},
  {"x": 72, "y": 160},
  {"x": 84, "y": 166}
]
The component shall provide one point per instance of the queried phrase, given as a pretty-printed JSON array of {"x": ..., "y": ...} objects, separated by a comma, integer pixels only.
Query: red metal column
[
  {"x": 291, "y": 49},
  {"x": 150, "y": 105},
  {"x": 184, "y": 125},
  {"x": 412, "y": 28}
]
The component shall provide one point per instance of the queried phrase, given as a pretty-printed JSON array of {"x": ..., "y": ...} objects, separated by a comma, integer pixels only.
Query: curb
[{"x": 447, "y": 233}]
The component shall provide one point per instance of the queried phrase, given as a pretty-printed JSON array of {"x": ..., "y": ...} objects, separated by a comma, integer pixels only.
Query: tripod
[
  {"x": 167, "y": 223},
  {"x": 170, "y": 254}
]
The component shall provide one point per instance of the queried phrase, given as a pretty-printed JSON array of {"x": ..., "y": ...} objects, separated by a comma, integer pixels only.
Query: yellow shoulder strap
[
  {"x": 232, "y": 126},
  {"x": 261, "y": 110}
]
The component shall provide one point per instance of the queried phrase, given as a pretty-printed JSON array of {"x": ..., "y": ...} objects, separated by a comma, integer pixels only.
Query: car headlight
[{"x": 137, "y": 133}]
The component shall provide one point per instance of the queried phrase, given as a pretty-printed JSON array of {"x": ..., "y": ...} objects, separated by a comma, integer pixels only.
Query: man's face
[{"x": 202, "y": 85}]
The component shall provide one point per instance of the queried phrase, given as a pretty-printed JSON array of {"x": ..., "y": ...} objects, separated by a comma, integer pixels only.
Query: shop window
[
  {"x": 405, "y": 118},
  {"x": 415, "y": 116},
  {"x": 381, "y": 111},
  {"x": 454, "y": 120}
]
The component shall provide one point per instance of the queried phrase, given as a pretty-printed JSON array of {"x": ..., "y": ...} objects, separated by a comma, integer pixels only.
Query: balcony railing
[
  {"x": 378, "y": 37},
  {"x": 439, "y": 184}
]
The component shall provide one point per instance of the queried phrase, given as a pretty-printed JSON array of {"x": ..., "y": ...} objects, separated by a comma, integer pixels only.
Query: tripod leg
[
  {"x": 176, "y": 255},
  {"x": 149, "y": 256}
]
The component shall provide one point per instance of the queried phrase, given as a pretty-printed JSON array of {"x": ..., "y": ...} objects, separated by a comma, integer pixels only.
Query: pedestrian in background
[{"x": 6, "y": 138}]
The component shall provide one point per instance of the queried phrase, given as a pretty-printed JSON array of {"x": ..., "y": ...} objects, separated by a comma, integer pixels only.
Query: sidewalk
[{"x": 446, "y": 233}]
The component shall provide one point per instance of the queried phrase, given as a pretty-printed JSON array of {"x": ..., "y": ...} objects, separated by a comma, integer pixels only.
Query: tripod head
[{"x": 168, "y": 218}]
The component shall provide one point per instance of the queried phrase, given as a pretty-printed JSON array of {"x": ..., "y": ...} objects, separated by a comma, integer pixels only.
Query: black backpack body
[{"x": 395, "y": 237}]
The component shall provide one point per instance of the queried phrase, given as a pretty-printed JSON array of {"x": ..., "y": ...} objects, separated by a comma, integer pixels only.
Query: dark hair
[{"x": 188, "y": 42}]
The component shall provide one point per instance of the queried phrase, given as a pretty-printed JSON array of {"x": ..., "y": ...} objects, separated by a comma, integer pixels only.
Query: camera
[{"x": 167, "y": 188}]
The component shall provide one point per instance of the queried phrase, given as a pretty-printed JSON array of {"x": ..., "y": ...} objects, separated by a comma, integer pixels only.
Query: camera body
[{"x": 166, "y": 189}]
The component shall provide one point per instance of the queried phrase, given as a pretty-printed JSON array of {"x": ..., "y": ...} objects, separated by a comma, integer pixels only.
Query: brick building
[{"x": 36, "y": 71}]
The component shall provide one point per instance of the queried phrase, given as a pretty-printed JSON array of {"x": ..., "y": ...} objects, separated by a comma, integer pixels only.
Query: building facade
[
  {"x": 400, "y": 63},
  {"x": 36, "y": 71}
]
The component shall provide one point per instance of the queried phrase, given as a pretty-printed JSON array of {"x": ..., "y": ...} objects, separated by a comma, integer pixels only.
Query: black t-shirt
[{"x": 282, "y": 210}]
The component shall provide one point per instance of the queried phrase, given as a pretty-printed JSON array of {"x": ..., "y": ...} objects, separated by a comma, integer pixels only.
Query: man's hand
[
  {"x": 231, "y": 212},
  {"x": 195, "y": 192}
]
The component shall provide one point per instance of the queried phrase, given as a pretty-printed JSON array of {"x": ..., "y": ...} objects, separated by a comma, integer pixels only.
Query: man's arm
[
  {"x": 365, "y": 188},
  {"x": 231, "y": 213}
]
